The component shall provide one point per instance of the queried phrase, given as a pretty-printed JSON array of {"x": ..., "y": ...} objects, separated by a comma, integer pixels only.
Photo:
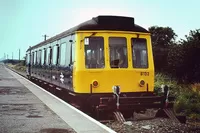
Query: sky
[{"x": 24, "y": 22}]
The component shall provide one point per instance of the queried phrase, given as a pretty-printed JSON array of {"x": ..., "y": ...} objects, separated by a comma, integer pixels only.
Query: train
[{"x": 105, "y": 63}]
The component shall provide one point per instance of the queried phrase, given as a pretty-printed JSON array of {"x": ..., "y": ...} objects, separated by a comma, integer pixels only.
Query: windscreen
[
  {"x": 139, "y": 53},
  {"x": 94, "y": 52},
  {"x": 118, "y": 52}
]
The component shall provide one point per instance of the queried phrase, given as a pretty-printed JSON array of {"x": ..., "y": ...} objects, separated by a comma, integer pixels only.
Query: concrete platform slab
[
  {"x": 22, "y": 112},
  {"x": 37, "y": 110}
]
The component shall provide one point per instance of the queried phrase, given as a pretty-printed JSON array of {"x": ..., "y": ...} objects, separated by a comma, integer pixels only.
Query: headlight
[
  {"x": 142, "y": 83},
  {"x": 95, "y": 83}
]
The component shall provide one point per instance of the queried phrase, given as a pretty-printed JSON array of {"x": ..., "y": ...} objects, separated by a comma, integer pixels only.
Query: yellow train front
[{"x": 114, "y": 66}]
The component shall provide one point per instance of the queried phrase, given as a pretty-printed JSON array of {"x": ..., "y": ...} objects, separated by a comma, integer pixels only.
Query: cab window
[
  {"x": 139, "y": 53},
  {"x": 118, "y": 52},
  {"x": 94, "y": 52}
]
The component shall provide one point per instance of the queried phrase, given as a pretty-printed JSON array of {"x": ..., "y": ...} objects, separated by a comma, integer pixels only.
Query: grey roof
[{"x": 116, "y": 23}]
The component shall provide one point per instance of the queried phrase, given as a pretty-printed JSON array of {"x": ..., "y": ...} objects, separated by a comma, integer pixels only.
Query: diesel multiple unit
[{"x": 105, "y": 63}]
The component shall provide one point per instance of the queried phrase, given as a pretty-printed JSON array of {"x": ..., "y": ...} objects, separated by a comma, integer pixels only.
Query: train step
[
  {"x": 169, "y": 112},
  {"x": 119, "y": 116}
]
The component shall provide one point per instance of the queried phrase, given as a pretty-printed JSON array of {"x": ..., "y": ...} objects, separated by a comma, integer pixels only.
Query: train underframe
[{"x": 98, "y": 105}]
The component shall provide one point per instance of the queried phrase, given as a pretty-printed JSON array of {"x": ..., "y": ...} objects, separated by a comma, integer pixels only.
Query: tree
[
  {"x": 175, "y": 61},
  {"x": 179, "y": 59},
  {"x": 191, "y": 50},
  {"x": 162, "y": 39},
  {"x": 183, "y": 60}
]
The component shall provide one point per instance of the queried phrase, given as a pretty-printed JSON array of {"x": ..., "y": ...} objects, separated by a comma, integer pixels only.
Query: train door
[
  {"x": 55, "y": 58},
  {"x": 42, "y": 54},
  {"x": 47, "y": 63},
  {"x": 39, "y": 71},
  {"x": 67, "y": 56},
  {"x": 44, "y": 66}
]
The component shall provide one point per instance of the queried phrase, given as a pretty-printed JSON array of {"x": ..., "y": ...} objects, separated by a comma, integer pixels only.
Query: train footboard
[
  {"x": 134, "y": 103},
  {"x": 128, "y": 105}
]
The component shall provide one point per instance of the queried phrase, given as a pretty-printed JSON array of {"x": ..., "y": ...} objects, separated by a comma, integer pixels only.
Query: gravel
[{"x": 156, "y": 125}]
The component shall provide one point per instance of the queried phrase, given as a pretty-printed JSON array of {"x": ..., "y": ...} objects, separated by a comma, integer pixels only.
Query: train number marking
[{"x": 144, "y": 73}]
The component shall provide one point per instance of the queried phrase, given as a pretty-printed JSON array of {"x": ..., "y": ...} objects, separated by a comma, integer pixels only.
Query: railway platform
[{"x": 27, "y": 108}]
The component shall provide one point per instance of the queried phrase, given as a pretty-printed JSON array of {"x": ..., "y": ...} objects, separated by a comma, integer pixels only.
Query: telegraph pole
[
  {"x": 45, "y": 37},
  {"x": 12, "y": 55}
]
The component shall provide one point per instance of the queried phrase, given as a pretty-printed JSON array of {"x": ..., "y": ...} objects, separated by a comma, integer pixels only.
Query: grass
[
  {"x": 161, "y": 79},
  {"x": 187, "y": 96},
  {"x": 196, "y": 87},
  {"x": 18, "y": 67}
]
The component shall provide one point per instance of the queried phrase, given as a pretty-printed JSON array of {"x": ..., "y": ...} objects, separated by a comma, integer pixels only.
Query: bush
[
  {"x": 196, "y": 87},
  {"x": 161, "y": 79},
  {"x": 18, "y": 67},
  {"x": 188, "y": 103},
  {"x": 187, "y": 96}
]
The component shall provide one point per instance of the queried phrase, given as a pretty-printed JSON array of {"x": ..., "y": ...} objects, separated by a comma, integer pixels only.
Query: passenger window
[
  {"x": 32, "y": 59},
  {"x": 41, "y": 53},
  {"x": 63, "y": 47},
  {"x": 27, "y": 59},
  {"x": 118, "y": 52},
  {"x": 73, "y": 52},
  {"x": 54, "y": 55},
  {"x": 49, "y": 56},
  {"x": 39, "y": 57},
  {"x": 35, "y": 62},
  {"x": 42, "y": 57},
  {"x": 68, "y": 52},
  {"x": 94, "y": 52},
  {"x": 139, "y": 53}
]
